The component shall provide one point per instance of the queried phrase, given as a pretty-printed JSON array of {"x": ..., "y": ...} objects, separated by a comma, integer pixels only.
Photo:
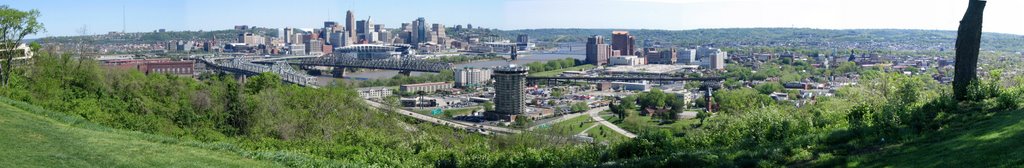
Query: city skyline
[{"x": 99, "y": 17}]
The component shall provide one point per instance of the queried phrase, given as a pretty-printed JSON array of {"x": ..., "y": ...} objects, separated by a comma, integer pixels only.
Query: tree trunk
[{"x": 968, "y": 41}]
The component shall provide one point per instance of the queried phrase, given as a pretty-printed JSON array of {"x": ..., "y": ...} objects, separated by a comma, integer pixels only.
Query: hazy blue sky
[{"x": 66, "y": 17}]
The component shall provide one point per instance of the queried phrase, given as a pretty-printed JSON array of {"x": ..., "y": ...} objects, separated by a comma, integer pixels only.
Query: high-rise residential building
[
  {"x": 622, "y": 41},
  {"x": 510, "y": 88},
  {"x": 597, "y": 51},
  {"x": 287, "y": 32},
  {"x": 472, "y": 77},
  {"x": 350, "y": 26}
]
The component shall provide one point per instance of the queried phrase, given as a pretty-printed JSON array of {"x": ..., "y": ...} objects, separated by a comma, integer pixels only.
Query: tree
[
  {"x": 262, "y": 82},
  {"x": 703, "y": 114},
  {"x": 488, "y": 106},
  {"x": 579, "y": 107},
  {"x": 521, "y": 121},
  {"x": 678, "y": 106},
  {"x": 769, "y": 87},
  {"x": 14, "y": 26},
  {"x": 968, "y": 42},
  {"x": 616, "y": 109},
  {"x": 557, "y": 92}
]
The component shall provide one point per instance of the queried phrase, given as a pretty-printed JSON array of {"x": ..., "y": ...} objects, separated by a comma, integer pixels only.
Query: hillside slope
[
  {"x": 33, "y": 140},
  {"x": 994, "y": 142}
]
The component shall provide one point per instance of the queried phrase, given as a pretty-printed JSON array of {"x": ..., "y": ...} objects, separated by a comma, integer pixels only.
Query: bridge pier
[
  {"x": 405, "y": 73},
  {"x": 338, "y": 72}
]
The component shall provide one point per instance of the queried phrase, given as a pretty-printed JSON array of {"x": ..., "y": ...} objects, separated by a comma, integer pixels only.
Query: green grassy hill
[
  {"x": 993, "y": 142},
  {"x": 48, "y": 140}
]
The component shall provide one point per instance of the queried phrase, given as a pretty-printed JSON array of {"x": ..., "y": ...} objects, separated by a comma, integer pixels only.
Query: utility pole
[{"x": 124, "y": 23}]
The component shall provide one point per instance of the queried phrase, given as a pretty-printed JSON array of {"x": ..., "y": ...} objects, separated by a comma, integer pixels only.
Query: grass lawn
[
  {"x": 635, "y": 123},
  {"x": 559, "y": 71},
  {"x": 609, "y": 136},
  {"x": 994, "y": 142},
  {"x": 34, "y": 140},
  {"x": 571, "y": 126}
]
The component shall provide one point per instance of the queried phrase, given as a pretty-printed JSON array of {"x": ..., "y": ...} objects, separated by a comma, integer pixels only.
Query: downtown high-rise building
[
  {"x": 364, "y": 31},
  {"x": 288, "y": 31},
  {"x": 350, "y": 26},
  {"x": 437, "y": 33},
  {"x": 597, "y": 51},
  {"x": 622, "y": 41},
  {"x": 420, "y": 32}
]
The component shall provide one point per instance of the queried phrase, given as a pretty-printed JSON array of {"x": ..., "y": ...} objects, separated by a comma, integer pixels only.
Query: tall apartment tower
[
  {"x": 597, "y": 51},
  {"x": 622, "y": 41},
  {"x": 509, "y": 86}
]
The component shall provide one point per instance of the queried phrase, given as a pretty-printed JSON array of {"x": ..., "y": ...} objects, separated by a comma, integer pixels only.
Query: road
[
  {"x": 593, "y": 114},
  {"x": 454, "y": 124}
]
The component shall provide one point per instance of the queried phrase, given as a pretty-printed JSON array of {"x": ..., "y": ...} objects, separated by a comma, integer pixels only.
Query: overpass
[
  {"x": 620, "y": 79},
  {"x": 405, "y": 66}
]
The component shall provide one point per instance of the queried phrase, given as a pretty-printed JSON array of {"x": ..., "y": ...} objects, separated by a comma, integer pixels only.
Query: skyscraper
[
  {"x": 509, "y": 86},
  {"x": 420, "y": 30},
  {"x": 350, "y": 23},
  {"x": 288, "y": 31},
  {"x": 437, "y": 32},
  {"x": 364, "y": 29},
  {"x": 622, "y": 41},
  {"x": 597, "y": 51}
]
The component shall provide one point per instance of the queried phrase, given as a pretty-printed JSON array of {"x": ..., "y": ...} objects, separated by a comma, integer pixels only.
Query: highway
[
  {"x": 454, "y": 124},
  {"x": 593, "y": 114}
]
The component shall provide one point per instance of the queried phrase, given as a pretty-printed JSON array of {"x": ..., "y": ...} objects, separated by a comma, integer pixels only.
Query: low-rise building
[
  {"x": 149, "y": 66},
  {"x": 374, "y": 92},
  {"x": 626, "y": 60},
  {"x": 426, "y": 87},
  {"x": 643, "y": 86}
]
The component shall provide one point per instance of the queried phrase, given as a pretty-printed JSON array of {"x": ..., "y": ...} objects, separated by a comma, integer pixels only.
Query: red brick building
[{"x": 149, "y": 66}]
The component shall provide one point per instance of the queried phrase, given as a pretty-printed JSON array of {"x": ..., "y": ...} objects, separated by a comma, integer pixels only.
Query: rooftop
[{"x": 425, "y": 84}]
